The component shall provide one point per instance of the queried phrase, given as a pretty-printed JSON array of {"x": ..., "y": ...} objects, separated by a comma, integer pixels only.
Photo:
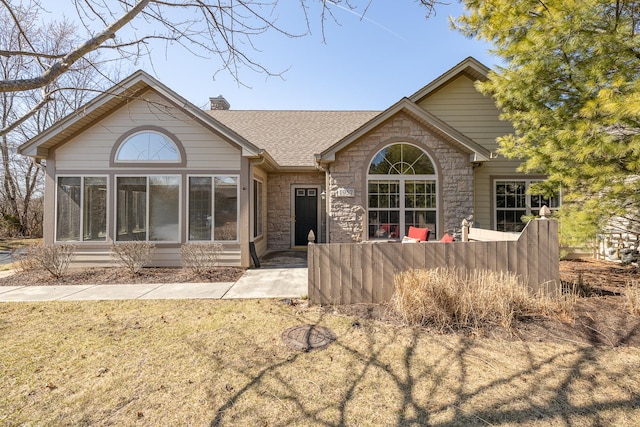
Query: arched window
[
  {"x": 401, "y": 159},
  {"x": 148, "y": 146},
  {"x": 401, "y": 192}
]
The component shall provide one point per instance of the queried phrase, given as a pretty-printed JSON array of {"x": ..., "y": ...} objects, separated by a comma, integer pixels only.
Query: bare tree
[
  {"x": 46, "y": 69},
  {"x": 211, "y": 28},
  {"x": 25, "y": 113}
]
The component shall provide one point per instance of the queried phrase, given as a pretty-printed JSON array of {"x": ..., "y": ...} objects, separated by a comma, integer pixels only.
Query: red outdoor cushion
[
  {"x": 447, "y": 238},
  {"x": 421, "y": 234}
]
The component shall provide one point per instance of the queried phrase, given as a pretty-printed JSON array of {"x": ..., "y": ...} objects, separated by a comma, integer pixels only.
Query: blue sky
[{"x": 364, "y": 64}]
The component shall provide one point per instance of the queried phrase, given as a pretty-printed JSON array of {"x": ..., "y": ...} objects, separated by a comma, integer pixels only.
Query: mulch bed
[{"x": 118, "y": 276}]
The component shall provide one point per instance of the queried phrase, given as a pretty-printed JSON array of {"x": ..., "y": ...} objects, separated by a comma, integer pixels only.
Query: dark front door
[{"x": 306, "y": 215}]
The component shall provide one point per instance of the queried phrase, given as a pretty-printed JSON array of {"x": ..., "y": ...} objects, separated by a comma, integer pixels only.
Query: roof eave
[
  {"x": 297, "y": 169},
  {"x": 264, "y": 160},
  {"x": 127, "y": 88}
]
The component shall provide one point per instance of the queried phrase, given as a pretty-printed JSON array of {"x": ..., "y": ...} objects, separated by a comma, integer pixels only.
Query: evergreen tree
[{"x": 570, "y": 86}]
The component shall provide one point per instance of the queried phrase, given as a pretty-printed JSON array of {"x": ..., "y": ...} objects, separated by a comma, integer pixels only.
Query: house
[{"x": 139, "y": 162}]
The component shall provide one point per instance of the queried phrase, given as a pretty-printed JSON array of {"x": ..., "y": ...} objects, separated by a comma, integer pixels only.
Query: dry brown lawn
[{"x": 153, "y": 363}]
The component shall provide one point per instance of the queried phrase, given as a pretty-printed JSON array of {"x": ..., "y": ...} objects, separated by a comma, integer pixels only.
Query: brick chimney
[{"x": 219, "y": 103}]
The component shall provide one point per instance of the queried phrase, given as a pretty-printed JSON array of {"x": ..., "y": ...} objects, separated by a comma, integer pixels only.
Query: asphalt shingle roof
[{"x": 293, "y": 137}]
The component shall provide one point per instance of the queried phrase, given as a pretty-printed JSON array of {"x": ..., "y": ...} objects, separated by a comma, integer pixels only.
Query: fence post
[
  {"x": 544, "y": 212},
  {"x": 465, "y": 230}
]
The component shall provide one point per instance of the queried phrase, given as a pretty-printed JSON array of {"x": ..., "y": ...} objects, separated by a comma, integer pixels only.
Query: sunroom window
[
  {"x": 401, "y": 192},
  {"x": 81, "y": 209},
  {"x": 213, "y": 208},
  {"x": 514, "y": 203},
  {"x": 148, "y": 146},
  {"x": 148, "y": 208}
]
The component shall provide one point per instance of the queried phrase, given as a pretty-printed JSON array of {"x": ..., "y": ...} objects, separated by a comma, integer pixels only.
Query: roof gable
[
  {"x": 469, "y": 67},
  {"x": 427, "y": 119},
  {"x": 133, "y": 87}
]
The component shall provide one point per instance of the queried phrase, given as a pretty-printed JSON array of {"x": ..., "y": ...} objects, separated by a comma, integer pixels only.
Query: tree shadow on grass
[{"x": 410, "y": 377}]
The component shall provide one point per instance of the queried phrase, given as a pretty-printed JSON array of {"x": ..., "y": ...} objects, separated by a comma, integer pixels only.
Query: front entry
[{"x": 305, "y": 217}]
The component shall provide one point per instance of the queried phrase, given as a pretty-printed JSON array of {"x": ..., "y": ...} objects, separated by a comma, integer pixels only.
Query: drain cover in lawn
[{"x": 308, "y": 337}]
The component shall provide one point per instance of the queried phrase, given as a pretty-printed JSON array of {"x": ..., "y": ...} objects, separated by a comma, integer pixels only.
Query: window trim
[
  {"x": 81, "y": 222},
  {"x": 114, "y": 162},
  {"x": 213, "y": 201},
  {"x": 401, "y": 178},
  {"x": 528, "y": 180},
  {"x": 147, "y": 211},
  {"x": 255, "y": 198}
]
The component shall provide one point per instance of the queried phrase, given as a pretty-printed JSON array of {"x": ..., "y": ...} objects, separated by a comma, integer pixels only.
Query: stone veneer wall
[
  {"x": 279, "y": 207},
  {"x": 455, "y": 178}
]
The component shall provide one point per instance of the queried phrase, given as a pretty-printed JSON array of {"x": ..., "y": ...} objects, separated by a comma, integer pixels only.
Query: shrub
[
  {"x": 54, "y": 259},
  {"x": 132, "y": 255},
  {"x": 9, "y": 227},
  {"x": 200, "y": 258},
  {"x": 454, "y": 298}
]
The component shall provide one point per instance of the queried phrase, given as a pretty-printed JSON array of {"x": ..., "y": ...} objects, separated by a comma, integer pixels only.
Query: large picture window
[
  {"x": 148, "y": 208},
  {"x": 513, "y": 204},
  {"x": 81, "y": 209},
  {"x": 401, "y": 192},
  {"x": 213, "y": 208}
]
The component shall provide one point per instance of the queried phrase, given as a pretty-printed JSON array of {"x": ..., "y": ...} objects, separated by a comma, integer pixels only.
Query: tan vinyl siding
[
  {"x": 92, "y": 149},
  {"x": 163, "y": 257},
  {"x": 460, "y": 105}
]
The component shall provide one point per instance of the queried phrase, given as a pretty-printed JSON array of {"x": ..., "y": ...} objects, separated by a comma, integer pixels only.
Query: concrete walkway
[{"x": 271, "y": 282}]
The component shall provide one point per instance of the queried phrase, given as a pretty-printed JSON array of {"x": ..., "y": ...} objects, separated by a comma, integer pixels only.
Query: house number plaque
[{"x": 345, "y": 192}]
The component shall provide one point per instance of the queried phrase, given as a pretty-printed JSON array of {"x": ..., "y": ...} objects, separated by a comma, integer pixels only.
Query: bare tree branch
[
  {"x": 8, "y": 53},
  {"x": 430, "y": 5},
  {"x": 48, "y": 97},
  {"x": 64, "y": 64}
]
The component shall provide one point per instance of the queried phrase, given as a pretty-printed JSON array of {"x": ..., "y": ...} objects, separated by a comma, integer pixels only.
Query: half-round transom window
[
  {"x": 401, "y": 159},
  {"x": 148, "y": 146}
]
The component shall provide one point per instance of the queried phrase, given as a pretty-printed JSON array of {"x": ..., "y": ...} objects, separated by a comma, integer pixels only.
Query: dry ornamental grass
[
  {"x": 632, "y": 295},
  {"x": 450, "y": 298}
]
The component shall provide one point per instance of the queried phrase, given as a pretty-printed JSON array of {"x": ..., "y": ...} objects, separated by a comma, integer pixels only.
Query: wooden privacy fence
[{"x": 350, "y": 273}]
